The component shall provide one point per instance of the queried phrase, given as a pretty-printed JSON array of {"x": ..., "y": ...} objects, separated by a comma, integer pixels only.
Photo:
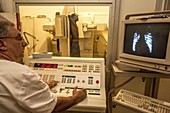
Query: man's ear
[{"x": 2, "y": 46}]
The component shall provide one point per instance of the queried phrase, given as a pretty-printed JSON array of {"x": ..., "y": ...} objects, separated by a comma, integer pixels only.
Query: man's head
[{"x": 11, "y": 43}]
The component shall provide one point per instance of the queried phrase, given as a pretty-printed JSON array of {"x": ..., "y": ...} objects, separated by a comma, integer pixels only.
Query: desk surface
[{"x": 118, "y": 72}]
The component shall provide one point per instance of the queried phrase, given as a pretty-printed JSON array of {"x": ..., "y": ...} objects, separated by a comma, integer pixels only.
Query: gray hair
[{"x": 4, "y": 24}]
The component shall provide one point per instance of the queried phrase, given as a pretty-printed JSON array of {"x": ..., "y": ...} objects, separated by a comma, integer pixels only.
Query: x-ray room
[
  {"x": 68, "y": 31},
  {"x": 85, "y": 56}
]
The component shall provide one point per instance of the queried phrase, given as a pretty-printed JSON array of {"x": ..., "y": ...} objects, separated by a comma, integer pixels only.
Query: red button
[{"x": 97, "y": 81}]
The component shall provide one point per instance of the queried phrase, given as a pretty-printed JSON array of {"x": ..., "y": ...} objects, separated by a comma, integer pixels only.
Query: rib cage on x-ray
[{"x": 147, "y": 38}]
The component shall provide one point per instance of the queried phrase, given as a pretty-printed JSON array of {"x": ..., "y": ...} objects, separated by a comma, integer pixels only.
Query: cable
[
  {"x": 26, "y": 39},
  {"x": 113, "y": 89},
  {"x": 29, "y": 35}
]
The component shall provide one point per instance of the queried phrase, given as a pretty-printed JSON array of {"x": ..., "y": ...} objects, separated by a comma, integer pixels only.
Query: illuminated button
[
  {"x": 65, "y": 65},
  {"x": 97, "y": 81}
]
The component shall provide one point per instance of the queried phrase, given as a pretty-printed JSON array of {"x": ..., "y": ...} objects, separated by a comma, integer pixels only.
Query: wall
[{"x": 164, "y": 92}]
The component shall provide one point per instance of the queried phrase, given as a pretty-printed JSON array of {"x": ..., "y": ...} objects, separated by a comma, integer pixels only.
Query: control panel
[{"x": 88, "y": 73}]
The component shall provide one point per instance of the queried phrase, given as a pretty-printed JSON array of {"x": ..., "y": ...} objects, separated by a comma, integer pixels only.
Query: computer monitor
[{"x": 145, "y": 44}]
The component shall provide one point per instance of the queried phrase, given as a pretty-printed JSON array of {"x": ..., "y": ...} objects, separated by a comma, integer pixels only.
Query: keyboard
[{"x": 140, "y": 102}]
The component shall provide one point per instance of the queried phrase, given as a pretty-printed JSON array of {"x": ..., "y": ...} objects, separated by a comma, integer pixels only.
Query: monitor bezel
[{"x": 129, "y": 58}]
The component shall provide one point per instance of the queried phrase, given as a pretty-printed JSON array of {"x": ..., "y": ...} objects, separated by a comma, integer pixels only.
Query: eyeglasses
[{"x": 18, "y": 37}]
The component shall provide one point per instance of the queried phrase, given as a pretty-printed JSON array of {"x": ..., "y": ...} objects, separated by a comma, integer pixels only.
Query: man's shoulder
[{"x": 13, "y": 66}]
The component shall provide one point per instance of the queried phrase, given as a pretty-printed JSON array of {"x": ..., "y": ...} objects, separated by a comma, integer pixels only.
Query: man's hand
[
  {"x": 79, "y": 95},
  {"x": 52, "y": 83},
  {"x": 63, "y": 103}
]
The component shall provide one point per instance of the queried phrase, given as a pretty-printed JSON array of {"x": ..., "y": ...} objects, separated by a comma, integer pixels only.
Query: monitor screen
[{"x": 146, "y": 39}]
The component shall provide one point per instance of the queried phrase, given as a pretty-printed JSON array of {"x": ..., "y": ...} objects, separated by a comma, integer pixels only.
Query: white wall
[{"x": 136, "y": 6}]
